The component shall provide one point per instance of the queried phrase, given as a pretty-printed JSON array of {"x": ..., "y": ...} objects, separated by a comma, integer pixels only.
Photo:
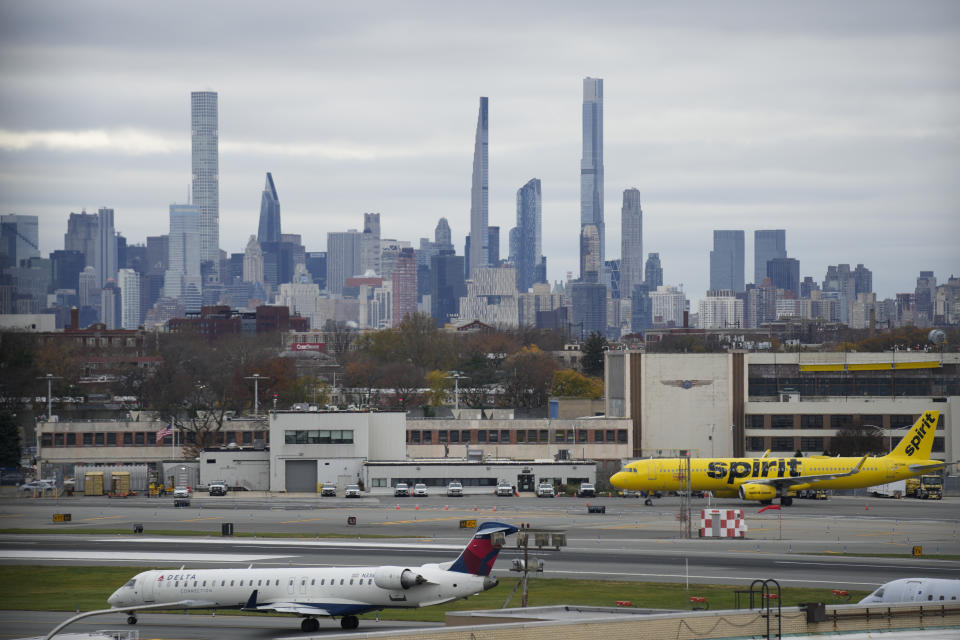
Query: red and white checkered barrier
[{"x": 722, "y": 523}]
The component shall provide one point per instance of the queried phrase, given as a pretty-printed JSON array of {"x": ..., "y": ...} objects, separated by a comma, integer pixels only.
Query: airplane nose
[
  {"x": 114, "y": 599},
  {"x": 617, "y": 479}
]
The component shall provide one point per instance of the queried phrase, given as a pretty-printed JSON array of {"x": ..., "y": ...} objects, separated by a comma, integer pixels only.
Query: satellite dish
[{"x": 937, "y": 336}]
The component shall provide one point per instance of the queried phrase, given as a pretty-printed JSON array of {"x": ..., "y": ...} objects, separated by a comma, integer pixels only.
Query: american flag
[{"x": 163, "y": 433}]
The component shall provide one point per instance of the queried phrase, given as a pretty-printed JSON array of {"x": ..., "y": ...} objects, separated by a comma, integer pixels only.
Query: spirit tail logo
[{"x": 919, "y": 442}]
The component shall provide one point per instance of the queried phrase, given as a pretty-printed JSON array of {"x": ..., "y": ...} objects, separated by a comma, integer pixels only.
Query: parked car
[
  {"x": 181, "y": 492},
  {"x": 504, "y": 489},
  {"x": 630, "y": 493},
  {"x": 353, "y": 491},
  {"x": 545, "y": 490},
  {"x": 455, "y": 490},
  {"x": 217, "y": 488},
  {"x": 38, "y": 485},
  {"x": 420, "y": 490},
  {"x": 328, "y": 491},
  {"x": 587, "y": 490},
  {"x": 401, "y": 490}
]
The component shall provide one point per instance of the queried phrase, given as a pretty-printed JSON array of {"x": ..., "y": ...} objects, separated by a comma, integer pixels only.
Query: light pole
[
  {"x": 256, "y": 377},
  {"x": 456, "y": 375},
  {"x": 49, "y": 378}
]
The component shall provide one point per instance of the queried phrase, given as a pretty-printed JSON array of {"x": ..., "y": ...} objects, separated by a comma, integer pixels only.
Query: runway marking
[
  {"x": 103, "y": 518},
  {"x": 303, "y": 520},
  {"x": 624, "y": 526},
  {"x": 11, "y": 515},
  {"x": 121, "y": 556},
  {"x": 419, "y": 520},
  {"x": 198, "y": 519},
  {"x": 882, "y": 533},
  {"x": 864, "y": 565}
]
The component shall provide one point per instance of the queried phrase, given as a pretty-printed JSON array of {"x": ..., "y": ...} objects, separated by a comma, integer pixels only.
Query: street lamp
[
  {"x": 456, "y": 375},
  {"x": 49, "y": 378},
  {"x": 256, "y": 377}
]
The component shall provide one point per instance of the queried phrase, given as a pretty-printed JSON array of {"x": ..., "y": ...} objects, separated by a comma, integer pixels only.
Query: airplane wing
[
  {"x": 809, "y": 479},
  {"x": 332, "y": 607}
]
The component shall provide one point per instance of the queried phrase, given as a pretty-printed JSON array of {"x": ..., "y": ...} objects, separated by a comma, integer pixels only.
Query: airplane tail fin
[
  {"x": 918, "y": 443},
  {"x": 482, "y": 550}
]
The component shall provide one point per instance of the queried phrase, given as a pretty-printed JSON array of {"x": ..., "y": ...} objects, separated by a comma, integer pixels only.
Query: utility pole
[
  {"x": 456, "y": 375},
  {"x": 256, "y": 377},
  {"x": 49, "y": 378}
]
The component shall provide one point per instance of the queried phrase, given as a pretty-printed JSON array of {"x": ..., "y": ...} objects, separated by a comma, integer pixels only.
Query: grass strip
[{"x": 48, "y": 588}]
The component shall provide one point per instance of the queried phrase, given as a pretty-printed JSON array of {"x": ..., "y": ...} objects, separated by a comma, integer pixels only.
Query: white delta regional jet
[{"x": 343, "y": 592}]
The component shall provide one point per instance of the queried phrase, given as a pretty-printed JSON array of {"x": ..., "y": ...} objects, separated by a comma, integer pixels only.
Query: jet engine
[
  {"x": 396, "y": 578},
  {"x": 757, "y": 491}
]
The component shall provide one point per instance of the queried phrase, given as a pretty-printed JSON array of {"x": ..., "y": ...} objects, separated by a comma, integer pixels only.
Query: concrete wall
[
  {"x": 238, "y": 468},
  {"x": 436, "y": 474}
]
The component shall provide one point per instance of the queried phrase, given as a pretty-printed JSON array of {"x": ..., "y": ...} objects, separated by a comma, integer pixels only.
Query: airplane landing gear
[
  {"x": 349, "y": 622},
  {"x": 131, "y": 619},
  {"x": 309, "y": 625},
  {"x": 786, "y": 501}
]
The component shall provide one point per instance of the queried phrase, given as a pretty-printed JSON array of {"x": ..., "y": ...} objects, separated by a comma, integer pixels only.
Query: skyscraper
[
  {"x": 129, "y": 282},
  {"x": 784, "y": 273},
  {"x": 653, "y": 272},
  {"x": 479, "y": 238},
  {"x": 726, "y": 261},
  {"x": 343, "y": 258},
  {"x": 81, "y": 235},
  {"x": 442, "y": 236},
  {"x": 106, "y": 249},
  {"x": 269, "y": 230},
  {"x": 767, "y": 245},
  {"x": 252, "y": 270},
  {"x": 631, "y": 242},
  {"x": 206, "y": 173},
  {"x": 447, "y": 286},
  {"x": 20, "y": 236},
  {"x": 591, "y": 164},
  {"x": 183, "y": 261},
  {"x": 862, "y": 280},
  {"x": 404, "y": 279},
  {"x": 591, "y": 261},
  {"x": 370, "y": 248},
  {"x": 525, "y": 238}
]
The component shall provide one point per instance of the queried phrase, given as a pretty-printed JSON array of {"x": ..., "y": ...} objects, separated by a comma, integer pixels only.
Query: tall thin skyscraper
[
  {"x": 591, "y": 164},
  {"x": 442, "y": 236},
  {"x": 631, "y": 242},
  {"x": 343, "y": 258},
  {"x": 726, "y": 261},
  {"x": 767, "y": 245},
  {"x": 404, "y": 279},
  {"x": 20, "y": 238},
  {"x": 269, "y": 230},
  {"x": 129, "y": 282},
  {"x": 370, "y": 249},
  {"x": 479, "y": 218},
  {"x": 106, "y": 260},
  {"x": 206, "y": 173},
  {"x": 526, "y": 237}
]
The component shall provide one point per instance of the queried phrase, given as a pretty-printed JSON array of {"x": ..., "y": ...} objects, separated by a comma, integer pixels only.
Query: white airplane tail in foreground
[{"x": 343, "y": 592}]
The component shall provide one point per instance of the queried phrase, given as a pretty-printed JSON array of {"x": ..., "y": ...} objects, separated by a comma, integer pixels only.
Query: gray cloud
[{"x": 838, "y": 122}]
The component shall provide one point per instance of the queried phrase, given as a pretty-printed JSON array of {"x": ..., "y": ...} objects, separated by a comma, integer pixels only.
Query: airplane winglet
[
  {"x": 860, "y": 464},
  {"x": 252, "y": 600}
]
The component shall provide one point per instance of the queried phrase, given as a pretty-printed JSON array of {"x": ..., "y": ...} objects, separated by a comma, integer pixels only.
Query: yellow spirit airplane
[{"x": 765, "y": 479}]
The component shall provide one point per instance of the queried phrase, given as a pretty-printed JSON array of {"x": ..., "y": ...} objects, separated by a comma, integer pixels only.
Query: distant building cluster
[{"x": 369, "y": 281}]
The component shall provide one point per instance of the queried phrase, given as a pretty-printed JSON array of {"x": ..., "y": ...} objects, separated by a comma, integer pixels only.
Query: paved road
[{"x": 19, "y": 624}]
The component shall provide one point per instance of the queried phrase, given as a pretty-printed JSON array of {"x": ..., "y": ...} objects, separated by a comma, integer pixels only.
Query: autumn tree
[
  {"x": 857, "y": 440},
  {"x": 404, "y": 379},
  {"x": 528, "y": 375},
  {"x": 573, "y": 384},
  {"x": 440, "y": 384}
]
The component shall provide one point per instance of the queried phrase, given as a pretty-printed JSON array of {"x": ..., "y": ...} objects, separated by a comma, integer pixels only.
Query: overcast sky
[{"x": 839, "y": 122}]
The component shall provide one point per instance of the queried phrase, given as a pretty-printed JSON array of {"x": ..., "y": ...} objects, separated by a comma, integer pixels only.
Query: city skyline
[{"x": 830, "y": 137}]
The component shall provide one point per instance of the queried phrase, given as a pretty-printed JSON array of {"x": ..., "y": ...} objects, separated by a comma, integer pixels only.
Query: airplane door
[
  {"x": 914, "y": 591},
  {"x": 651, "y": 470},
  {"x": 146, "y": 590}
]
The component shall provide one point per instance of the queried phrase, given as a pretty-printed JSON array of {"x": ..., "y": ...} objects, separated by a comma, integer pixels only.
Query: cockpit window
[
  {"x": 131, "y": 582},
  {"x": 878, "y": 593}
]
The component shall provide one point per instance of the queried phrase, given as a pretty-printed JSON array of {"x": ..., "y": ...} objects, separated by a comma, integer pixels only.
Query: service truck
[{"x": 925, "y": 487}]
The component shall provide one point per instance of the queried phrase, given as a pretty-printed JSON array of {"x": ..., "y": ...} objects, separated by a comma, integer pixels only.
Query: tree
[
  {"x": 591, "y": 360},
  {"x": 440, "y": 385},
  {"x": 11, "y": 449},
  {"x": 362, "y": 374},
  {"x": 423, "y": 344},
  {"x": 339, "y": 337},
  {"x": 404, "y": 379},
  {"x": 573, "y": 384},
  {"x": 528, "y": 375},
  {"x": 857, "y": 441}
]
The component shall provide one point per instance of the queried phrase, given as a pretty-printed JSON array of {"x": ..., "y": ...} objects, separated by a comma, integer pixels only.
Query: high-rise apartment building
[
  {"x": 726, "y": 261},
  {"x": 479, "y": 215},
  {"x": 641, "y": 309},
  {"x": 924, "y": 297},
  {"x": 667, "y": 306},
  {"x": 370, "y": 246},
  {"x": 588, "y": 301},
  {"x": 110, "y": 304},
  {"x": 81, "y": 235},
  {"x": 269, "y": 229},
  {"x": 653, "y": 272},
  {"x": 493, "y": 246},
  {"x": 205, "y": 160},
  {"x": 129, "y": 282},
  {"x": 526, "y": 237},
  {"x": 66, "y": 266},
  {"x": 631, "y": 242},
  {"x": 721, "y": 310},
  {"x": 768, "y": 244},
  {"x": 106, "y": 251},
  {"x": 784, "y": 273},
  {"x": 591, "y": 166},
  {"x": 862, "y": 280},
  {"x": 343, "y": 258},
  {"x": 404, "y": 279},
  {"x": 591, "y": 258}
]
